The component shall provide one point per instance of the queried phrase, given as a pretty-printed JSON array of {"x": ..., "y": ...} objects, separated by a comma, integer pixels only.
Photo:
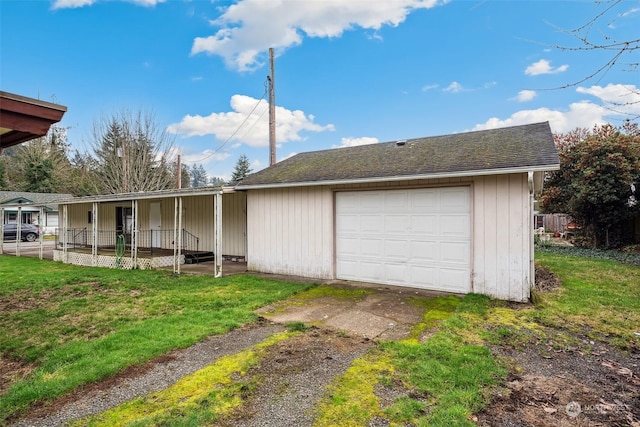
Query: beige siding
[
  {"x": 234, "y": 224},
  {"x": 290, "y": 231},
  {"x": 502, "y": 235},
  {"x": 197, "y": 219}
]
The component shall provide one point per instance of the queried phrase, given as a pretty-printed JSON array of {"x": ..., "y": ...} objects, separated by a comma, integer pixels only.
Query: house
[
  {"x": 449, "y": 213},
  {"x": 23, "y": 119},
  {"x": 29, "y": 205}
]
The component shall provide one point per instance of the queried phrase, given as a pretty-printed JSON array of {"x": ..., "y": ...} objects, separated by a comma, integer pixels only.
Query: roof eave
[
  {"x": 124, "y": 197},
  {"x": 483, "y": 172}
]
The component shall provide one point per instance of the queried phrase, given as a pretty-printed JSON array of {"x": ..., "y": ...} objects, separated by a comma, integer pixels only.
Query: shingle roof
[
  {"x": 49, "y": 199},
  {"x": 500, "y": 150}
]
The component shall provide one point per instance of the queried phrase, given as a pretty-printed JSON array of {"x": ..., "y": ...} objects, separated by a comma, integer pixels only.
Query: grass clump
[
  {"x": 449, "y": 374},
  {"x": 78, "y": 325},
  {"x": 351, "y": 399},
  {"x": 598, "y": 297}
]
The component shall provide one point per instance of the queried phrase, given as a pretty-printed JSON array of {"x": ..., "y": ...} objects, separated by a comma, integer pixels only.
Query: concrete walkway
[{"x": 371, "y": 311}]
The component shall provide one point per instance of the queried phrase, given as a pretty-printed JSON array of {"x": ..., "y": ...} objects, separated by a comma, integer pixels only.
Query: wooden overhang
[{"x": 23, "y": 119}]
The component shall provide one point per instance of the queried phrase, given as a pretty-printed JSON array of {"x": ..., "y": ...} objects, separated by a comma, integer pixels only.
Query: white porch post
[
  {"x": 19, "y": 231},
  {"x": 179, "y": 232},
  {"x": 134, "y": 234},
  {"x": 217, "y": 216},
  {"x": 41, "y": 237},
  {"x": 65, "y": 232},
  {"x": 2, "y": 230},
  {"x": 175, "y": 236},
  {"x": 94, "y": 234}
]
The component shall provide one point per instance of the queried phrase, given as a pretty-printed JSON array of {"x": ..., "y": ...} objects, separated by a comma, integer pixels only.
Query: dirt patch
[
  {"x": 545, "y": 280},
  {"x": 12, "y": 371},
  {"x": 29, "y": 299},
  {"x": 592, "y": 384},
  {"x": 293, "y": 376}
]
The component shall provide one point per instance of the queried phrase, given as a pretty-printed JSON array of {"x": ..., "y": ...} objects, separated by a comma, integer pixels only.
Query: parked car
[{"x": 28, "y": 232}]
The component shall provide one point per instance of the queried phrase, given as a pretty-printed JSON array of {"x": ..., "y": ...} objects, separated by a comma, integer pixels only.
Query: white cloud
[
  {"x": 454, "y": 87},
  {"x": 254, "y": 131},
  {"x": 352, "y": 142},
  {"x": 525, "y": 95},
  {"x": 69, "y": 4},
  {"x": 624, "y": 99},
  {"x": 616, "y": 100},
  {"x": 64, "y": 4},
  {"x": 206, "y": 156},
  {"x": 427, "y": 88},
  {"x": 248, "y": 28},
  {"x": 544, "y": 67}
]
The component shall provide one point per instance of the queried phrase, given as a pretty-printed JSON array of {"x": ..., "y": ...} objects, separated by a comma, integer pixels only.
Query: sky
[{"x": 347, "y": 72}]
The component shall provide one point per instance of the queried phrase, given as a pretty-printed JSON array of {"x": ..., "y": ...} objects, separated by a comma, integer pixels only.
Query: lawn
[
  {"x": 77, "y": 325},
  {"x": 68, "y": 326}
]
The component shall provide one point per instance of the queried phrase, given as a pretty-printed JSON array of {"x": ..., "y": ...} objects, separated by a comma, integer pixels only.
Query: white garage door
[{"x": 418, "y": 237}]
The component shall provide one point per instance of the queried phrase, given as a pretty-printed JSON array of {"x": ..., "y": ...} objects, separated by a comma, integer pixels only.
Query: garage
[
  {"x": 410, "y": 237},
  {"x": 451, "y": 213}
]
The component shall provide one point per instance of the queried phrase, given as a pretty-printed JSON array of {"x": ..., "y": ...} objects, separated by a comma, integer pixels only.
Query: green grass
[
  {"x": 78, "y": 325},
  {"x": 598, "y": 297},
  {"x": 446, "y": 378},
  {"x": 449, "y": 376}
]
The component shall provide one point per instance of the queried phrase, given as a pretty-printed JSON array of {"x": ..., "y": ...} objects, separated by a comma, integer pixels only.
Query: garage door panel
[
  {"x": 395, "y": 223},
  {"x": 425, "y": 251},
  {"x": 372, "y": 247},
  {"x": 424, "y": 200},
  {"x": 456, "y": 252},
  {"x": 348, "y": 224},
  {"x": 454, "y": 200},
  {"x": 412, "y": 237},
  {"x": 396, "y": 201},
  {"x": 371, "y": 223},
  {"x": 398, "y": 273},
  {"x": 370, "y": 201},
  {"x": 423, "y": 277},
  {"x": 371, "y": 270},
  {"x": 454, "y": 280},
  {"x": 397, "y": 249},
  {"x": 424, "y": 224},
  {"x": 348, "y": 246},
  {"x": 455, "y": 225}
]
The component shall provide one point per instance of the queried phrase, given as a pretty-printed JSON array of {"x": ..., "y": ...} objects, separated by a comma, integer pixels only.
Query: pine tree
[{"x": 242, "y": 169}]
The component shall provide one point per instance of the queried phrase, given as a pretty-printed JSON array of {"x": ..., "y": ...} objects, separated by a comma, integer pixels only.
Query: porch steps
[{"x": 197, "y": 257}]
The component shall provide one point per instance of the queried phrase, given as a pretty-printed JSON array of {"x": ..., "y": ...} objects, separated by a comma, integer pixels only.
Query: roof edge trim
[{"x": 539, "y": 168}]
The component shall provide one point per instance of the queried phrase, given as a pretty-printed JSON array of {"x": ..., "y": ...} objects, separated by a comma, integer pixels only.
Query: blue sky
[{"x": 347, "y": 72}]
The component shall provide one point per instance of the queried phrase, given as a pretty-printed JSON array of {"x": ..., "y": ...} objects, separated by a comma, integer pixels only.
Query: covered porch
[{"x": 158, "y": 229}]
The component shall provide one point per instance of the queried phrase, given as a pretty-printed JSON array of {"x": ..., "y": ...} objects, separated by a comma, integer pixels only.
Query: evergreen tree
[
  {"x": 198, "y": 176},
  {"x": 242, "y": 169}
]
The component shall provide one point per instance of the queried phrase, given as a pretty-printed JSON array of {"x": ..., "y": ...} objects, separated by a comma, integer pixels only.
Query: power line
[{"x": 236, "y": 131}]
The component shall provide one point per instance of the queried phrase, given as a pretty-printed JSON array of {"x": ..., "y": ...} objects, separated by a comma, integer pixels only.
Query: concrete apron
[{"x": 386, "y": 313}]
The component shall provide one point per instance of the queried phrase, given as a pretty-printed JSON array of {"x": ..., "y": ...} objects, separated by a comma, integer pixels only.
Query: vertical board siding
[
  {"x": 290, "y": 231},
  {"x": 502, "y": 236},
  {"x": 234, "y": 224}
]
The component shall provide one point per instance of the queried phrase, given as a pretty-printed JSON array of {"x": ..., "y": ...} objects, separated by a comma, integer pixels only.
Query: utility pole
[{"x": 272, "y": 112}]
